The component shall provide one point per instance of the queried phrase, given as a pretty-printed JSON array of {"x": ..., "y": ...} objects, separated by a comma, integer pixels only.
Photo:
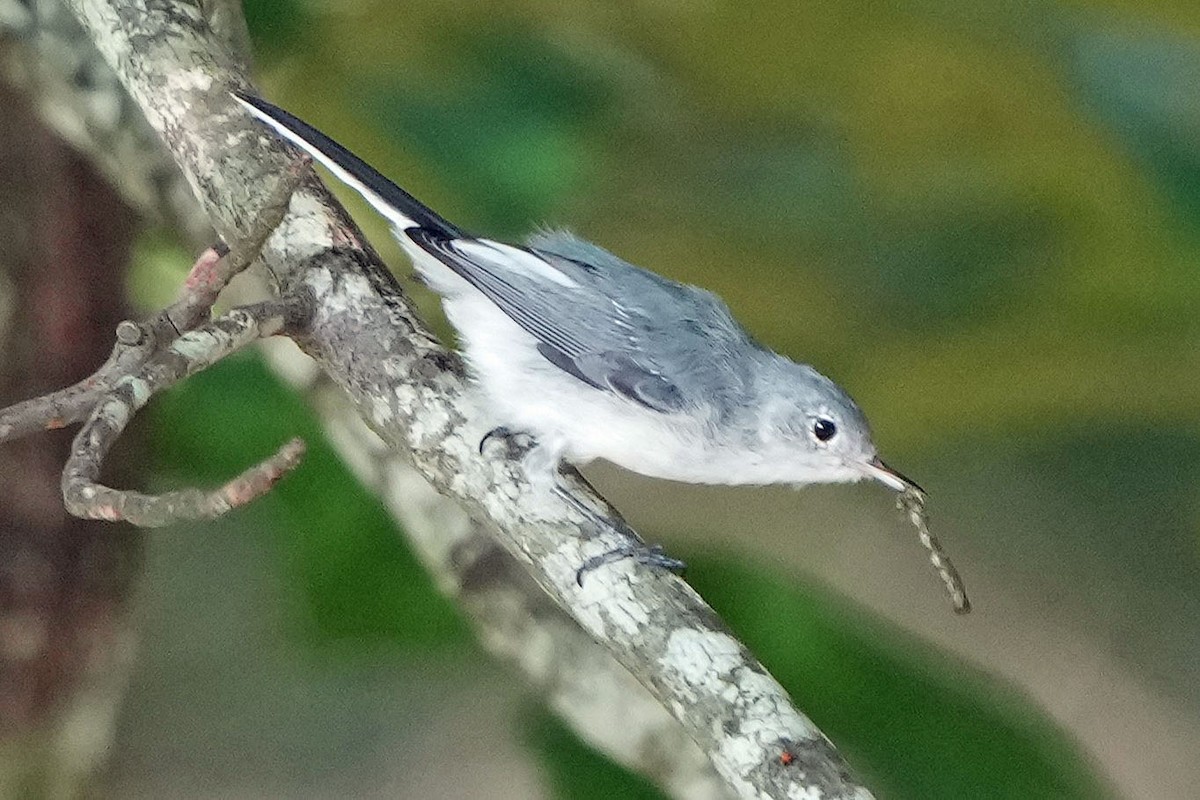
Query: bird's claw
[
  {"x": 516, "y": 442},
  {"x": 650, "y": 555}
]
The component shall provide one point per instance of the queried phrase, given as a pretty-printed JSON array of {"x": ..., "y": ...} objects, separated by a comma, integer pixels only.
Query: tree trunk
[{"x": 65, "y": 642}]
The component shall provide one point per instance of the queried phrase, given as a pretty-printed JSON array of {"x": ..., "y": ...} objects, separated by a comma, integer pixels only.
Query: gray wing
[{"x": 610, "y": 324}]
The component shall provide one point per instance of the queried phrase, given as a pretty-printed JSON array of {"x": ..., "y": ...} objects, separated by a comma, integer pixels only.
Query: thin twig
[
  {"x": 137, "y": 342},
  {"x": 190, "y": 353},
  {"x": 219, "y": 264},
  {"x": 152, "y": 356},
  {"x": 68, "y": 406},
  {"x": 156, "y": 511}
]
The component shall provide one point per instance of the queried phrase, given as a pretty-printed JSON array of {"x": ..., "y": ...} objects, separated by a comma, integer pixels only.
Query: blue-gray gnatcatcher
[{"x": 596, "y": 358}]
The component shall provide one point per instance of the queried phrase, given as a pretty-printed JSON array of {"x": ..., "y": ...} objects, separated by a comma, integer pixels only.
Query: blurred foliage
[
  {"x": 574, "y": 769},
  {"x": 351, "y": 577},
  {"x": 980, "y": 217},
  {"x": 1144, "y": 87},
  {"x": 512, "y": 141}
]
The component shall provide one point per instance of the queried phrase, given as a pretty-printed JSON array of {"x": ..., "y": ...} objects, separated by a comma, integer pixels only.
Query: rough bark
[
  {"x": 514, "y": 618},
  {"x": 413, "y": 394}
]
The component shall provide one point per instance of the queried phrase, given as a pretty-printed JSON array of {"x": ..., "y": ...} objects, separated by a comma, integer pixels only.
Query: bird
[{"x": 593, "y": 357}]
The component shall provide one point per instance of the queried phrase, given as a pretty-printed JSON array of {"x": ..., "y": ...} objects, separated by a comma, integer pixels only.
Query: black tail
[{"x": 401, "y": 208}]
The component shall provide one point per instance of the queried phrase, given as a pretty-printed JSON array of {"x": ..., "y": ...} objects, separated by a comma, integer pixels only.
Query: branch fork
[{"x": 152, "y": 356}]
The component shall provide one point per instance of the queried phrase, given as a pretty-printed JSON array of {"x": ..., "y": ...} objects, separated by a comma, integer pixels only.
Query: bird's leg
[
  {"x": 539, "y": 463},
  {"x": 634, "y": 547}
]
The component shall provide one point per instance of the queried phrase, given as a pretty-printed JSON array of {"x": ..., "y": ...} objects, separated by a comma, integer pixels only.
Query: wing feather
[{"x": 598, "y": 348}]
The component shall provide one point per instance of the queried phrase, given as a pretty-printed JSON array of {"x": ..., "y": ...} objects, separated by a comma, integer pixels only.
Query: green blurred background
[{"x": 982, "y": 219}]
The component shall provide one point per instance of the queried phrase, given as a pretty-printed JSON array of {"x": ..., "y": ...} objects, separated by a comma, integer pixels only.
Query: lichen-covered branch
[
  {"x": 149, "y": 358},
  {"x": 513, "y": 617},
  {"x": 518, "y": 623},
  {"x": 412, "y": 392},
  {"x": 189, "y": 353}
]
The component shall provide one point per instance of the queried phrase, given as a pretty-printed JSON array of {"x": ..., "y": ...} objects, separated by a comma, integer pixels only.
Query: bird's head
[{"x": 811, "y": 427}]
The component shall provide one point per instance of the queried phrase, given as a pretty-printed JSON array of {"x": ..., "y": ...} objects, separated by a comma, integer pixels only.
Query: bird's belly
[
  {"x": 580, "y": 423},
  {"x": 576, "y": 421}
]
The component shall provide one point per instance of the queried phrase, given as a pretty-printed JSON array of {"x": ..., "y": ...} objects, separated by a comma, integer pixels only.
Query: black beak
[{"x": 876, "y": 469}]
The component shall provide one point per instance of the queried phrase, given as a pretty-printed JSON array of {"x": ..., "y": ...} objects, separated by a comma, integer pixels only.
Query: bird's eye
[{"x": 824, "y": 429}]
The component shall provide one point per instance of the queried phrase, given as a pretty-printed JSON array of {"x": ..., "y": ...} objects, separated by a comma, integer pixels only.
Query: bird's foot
[
  {"x": 517, "y": 443},
  {"x": 635, "y": 548},
  {"x": 650, "y": 555},
  {"x": 539, "y": 464}
]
